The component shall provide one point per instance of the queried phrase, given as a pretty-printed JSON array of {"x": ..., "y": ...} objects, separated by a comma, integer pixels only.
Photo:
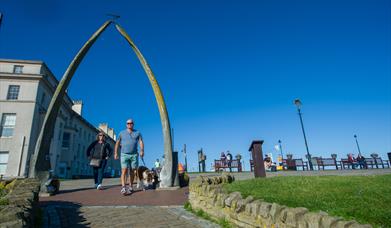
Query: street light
[
  {"x": 279, "y": 144},
  {"x": 185, "y": 155},
  {"x": 358, "y": 147},
  {"x": 298, "y": 104}
]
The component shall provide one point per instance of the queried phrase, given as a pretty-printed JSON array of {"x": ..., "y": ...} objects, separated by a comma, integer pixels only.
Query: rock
[
  {"x": 328, "y": 221},
  {"x": 221, "y": 199},
  {"x": 255, "y": 207},
  {"x": 275, "y": 212},
  {"x": 343, "y": 224},
  {"x": 264, "y": 209},
  {"x": 294, "y": 215},
  {"x": 233, "y": 196},
  {"x": 241, "y": 204},
  {"x": 313, "y": 219}
]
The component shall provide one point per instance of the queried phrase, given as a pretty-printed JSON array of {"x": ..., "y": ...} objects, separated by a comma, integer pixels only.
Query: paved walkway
[
  {"x": 80, "y": 205},
  {"x": 111, "y": 196},
  {"x": 68, "y": 215}
]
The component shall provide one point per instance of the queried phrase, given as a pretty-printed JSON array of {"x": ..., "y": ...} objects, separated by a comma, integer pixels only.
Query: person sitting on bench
[
  {"x": 361, "y": 162},
  {"x": 352, "y": 161}
]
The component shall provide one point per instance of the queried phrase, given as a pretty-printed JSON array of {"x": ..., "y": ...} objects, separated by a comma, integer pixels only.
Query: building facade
[{"x": 26, "y": 88}]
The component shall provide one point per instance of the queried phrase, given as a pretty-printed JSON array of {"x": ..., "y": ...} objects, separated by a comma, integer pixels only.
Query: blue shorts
[{"x": 129, "y": 161}]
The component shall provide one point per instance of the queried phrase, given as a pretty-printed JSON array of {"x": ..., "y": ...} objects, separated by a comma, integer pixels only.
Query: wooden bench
[
  {"x": 301, "y": 163},
  {"x": 370, "y": 162},
  {"x": 346, "y": 164},
  {"x": 226, "y": 164},
  {"x": 382, "y": 163},
  {"x": 322, "y": 162},
  {"x": 294, "y": 163}
]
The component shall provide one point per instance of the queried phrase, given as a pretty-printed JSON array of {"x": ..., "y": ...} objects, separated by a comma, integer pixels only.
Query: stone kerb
[
  {"x": 206, "y": 193},
  {"x": 22, "y": 206}
]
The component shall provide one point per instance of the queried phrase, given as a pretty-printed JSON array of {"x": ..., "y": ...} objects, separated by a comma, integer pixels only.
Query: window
[
  {"x": 3, "y": 161},
  {"x": 7, "y": 125},
  {"x": 66, "y": 140},
  {"x": 13, "y": 92},
  {"x": 18, "y": 69}
]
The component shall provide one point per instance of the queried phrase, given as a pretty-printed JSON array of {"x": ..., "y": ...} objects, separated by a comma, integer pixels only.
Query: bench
[
  {"x": 370, "y": 162},
  {"x": 346, "y": 164},
  {"x": 322, "y": 162},
  {"x": 301, "y": 163},
  {"x": 382, "y": 163},
  {"x": 294, "y": 163},
  {"x": 226, "y": 164}
]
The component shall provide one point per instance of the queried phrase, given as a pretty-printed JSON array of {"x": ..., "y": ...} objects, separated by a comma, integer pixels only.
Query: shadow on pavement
[{"x": 63, "y": 214}]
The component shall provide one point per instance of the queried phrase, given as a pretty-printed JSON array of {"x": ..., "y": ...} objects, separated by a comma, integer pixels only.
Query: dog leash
[{"x": 142, "y": 159}]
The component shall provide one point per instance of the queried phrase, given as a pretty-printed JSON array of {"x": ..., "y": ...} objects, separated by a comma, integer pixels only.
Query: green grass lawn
[{"x": 367, "y": 199}]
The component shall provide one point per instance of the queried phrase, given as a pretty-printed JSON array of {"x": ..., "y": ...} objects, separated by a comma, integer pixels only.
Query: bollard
[{"x": 256, "y": 151}]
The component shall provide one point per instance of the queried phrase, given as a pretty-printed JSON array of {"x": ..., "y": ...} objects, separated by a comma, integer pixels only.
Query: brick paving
[
  {"x": 79, "y": 206},
  {"x": 122, "y": 216},
  {"x": 111, "y": 196}
]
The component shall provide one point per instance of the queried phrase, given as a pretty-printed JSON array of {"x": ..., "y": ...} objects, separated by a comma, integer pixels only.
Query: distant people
[
  {"x": 352, "y": 161},
  {"x": 128, "y": 140},
  {"x": 99, "y": 151},
  {"x": 157, "y": 166},
  {"x": 268, "y": 163},
  {"x": 361, "y": 162},
  {"x": 223, "y": 159},
  {"x": 269, "y": 166},
  {"x": 229, "y": 160},
  {"x": 222, "y": 156}
]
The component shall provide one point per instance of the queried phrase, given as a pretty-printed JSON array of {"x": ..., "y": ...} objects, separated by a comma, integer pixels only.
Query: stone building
[{"x": 26, "y": 88}]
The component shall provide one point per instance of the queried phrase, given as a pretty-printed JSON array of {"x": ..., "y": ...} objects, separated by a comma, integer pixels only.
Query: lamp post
[
  {"x": 279, "y": 144},
  {"x": 185, "y": 155},
  {"x": 298, "y": 104},
  {"x": 358, "y": 147}
]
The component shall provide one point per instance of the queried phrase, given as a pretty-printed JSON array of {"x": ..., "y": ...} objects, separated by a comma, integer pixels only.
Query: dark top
[{"x": 95, "y": 150}]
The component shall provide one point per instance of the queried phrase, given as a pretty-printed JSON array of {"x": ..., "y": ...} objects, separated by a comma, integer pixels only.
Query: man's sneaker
[
  {"x": 99, "y": 187},
  {"x": 129, "y": 190},
  {"x": 123, "y": 190}
]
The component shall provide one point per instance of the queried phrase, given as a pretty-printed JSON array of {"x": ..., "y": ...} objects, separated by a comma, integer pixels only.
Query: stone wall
[
  {"x": 22, "y": 205},
  {"x": 206, "y": 193}
]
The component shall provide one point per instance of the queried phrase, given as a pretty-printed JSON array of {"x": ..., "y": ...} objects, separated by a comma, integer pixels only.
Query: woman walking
[{"x": 99, "y": 152}]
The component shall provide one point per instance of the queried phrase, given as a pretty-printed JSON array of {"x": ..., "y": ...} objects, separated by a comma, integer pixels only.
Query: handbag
[{"x": 95, "y": 162}]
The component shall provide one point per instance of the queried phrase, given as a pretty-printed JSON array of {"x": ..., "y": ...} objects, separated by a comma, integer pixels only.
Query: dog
[{"x": 146, "y": 179}]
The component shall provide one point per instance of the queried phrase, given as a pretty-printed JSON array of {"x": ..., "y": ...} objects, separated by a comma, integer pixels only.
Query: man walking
[{"x": 128, "y": 140}]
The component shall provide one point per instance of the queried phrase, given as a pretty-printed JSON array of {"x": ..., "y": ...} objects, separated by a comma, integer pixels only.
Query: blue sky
[{"x": 229, "y": 70}]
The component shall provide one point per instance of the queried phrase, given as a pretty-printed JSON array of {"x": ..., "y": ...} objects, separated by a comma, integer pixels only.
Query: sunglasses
[
  {"x": 129, "y": 123},
  {"x": 100, "y": 135}
]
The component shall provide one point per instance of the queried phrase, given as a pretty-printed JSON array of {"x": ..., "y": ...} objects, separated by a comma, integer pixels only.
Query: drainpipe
[{"x": 21, "y": 155}]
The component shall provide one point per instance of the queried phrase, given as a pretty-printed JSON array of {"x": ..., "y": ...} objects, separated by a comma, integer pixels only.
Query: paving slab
[
  {"x": 111, "y": 196},
  {"x": 72, "y": 215}
]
